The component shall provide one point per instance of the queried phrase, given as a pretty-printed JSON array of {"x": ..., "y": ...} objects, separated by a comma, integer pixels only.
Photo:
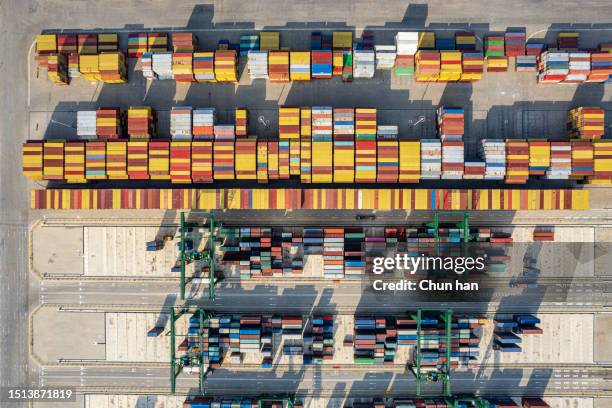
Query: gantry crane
[
  {"x": 455, "y": 401},
  {"x": 288, "y": 400},
  {"x": 442, "y": 374},
  {"x": 177, "y": 364},
  {"x": 188, "y": 254},
  {"x": 464, "y": 225}
]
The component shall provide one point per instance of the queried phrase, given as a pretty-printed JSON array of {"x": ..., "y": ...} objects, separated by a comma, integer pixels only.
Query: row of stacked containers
[
  {"x": 430, "y": 402},
  {"x": 96, "y": 57},
  {"x": 511, "y": 161},
  {"x": 316, "y": 199},
  {"x": 318, "y": 144},
  {"x": 232, "y": 337},
  {"x": 348, "y": 253},
  {"x": 376, "y": 340}
]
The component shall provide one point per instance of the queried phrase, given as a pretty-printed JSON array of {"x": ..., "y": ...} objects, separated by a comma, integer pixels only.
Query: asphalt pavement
[
  {"x": 312, "y": 382},
  {"x": 346, "y": 297}
]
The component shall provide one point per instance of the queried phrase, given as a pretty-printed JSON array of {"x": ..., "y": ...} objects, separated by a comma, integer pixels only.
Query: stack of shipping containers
[
  {"x": 305, "y": 145},
  {"x": 409, "y": 161},
  {"x": 495, "y": 53},
  {"x": 333, "y": 253},
  {"x": 406, "y": 45},
  {"x": 180, "y": 123},
  {"x": 344, "y": 146},
  {"x": 225, "y": 66},
  {"x": 451, "y": 125},
  {"x": 74, "y": 162},
  {"x": 257, "y": 64},
  {"x": 387, "y": 162},
  {"x": 585, "y": 123},
  {"x": 204, "y": 66},
  {"x": 116, "y": 160},
  {"x": 299, "y": 68},
  {"x": 223, "y": 152},
  {"x": 517, "y": 161},
  {"x": 322, "y": 144},
  {"x": 180, "y": 162},
  {"x": 365, "y": 145},
  {"x": 278, "y": 66}
]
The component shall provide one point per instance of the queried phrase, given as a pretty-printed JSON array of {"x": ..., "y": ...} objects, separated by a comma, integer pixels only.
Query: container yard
[
  {"x": 307, "y": 205},
  {"x": 419, "y": 53}
]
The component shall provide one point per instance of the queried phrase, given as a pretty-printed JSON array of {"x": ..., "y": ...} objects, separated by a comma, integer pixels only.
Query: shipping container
[
  {"x": 202, "y": 161},
  {"x": 204, "y": 66},
  {"x": 112, "y": 67},
  {"x": 53, "y": 160},
  {"x": 299, "y": 68},
  {"x": 226, "y": 66},
  {"x": 246, "y": 158},
  {"x": 322, "y": 144},
  {"x": 33, "y": 160},
  {"x": 116, "y": 160},
  {"x": 138, "y": 160},
  {"x": 269, "y": 40},
  {"x": 257, "y": 64},
  {"x": 74, "y": 162},
  {"x": 95, "y": 161},
  {"x": 180, "y": 161},
  {"x": 365, "y": 145},
  {"x": 137, "y": 44},
  {"x": 141, "y": 122},
  {"x": 305, "y": 145},
  {"x": 278, "y": 66},
  {"x": 344, "y": 145},
  {"x": 182, "y": 67},
  {"x": 586, "y": 123},
  {"x": 180, "y": 123},
  {"x": 184, "y": 42}
]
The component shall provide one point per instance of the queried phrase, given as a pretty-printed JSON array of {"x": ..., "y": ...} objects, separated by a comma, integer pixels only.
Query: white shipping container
[
  {"x": 162, "y": 65},
  {"x": 257, "y": 64},
  {"x": 86, "y": 125},
  {"x": 363, "y": 63},
  {"x": 385, "y": 56},
  {"x": 180, "y": 123}
]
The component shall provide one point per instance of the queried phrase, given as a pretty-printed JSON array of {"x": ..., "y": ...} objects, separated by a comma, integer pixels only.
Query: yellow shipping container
[
  {"x": 344, "y": 158},
  {"x": 322, "y": 162},
  {"x": 88, "y": 67},
  {"x": 301, "y": 58},
  {"x": 262, "y": 162},
  {"x": 33, "y": 161},
  {"x": 269, "y": 40},
  {"x": 139, "y": 112},
  {"x": 342, "y": 39},
  {"x": 46, "y": 43},
  {"x": 409, "y": 161},
  {"x": 427, "y": 40},
  {"x": 108, "y": 41},
  {"x": 289, "y": 123},
  {"x": 74, "y": 162},
  {"x": 116, "y": 160}
]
